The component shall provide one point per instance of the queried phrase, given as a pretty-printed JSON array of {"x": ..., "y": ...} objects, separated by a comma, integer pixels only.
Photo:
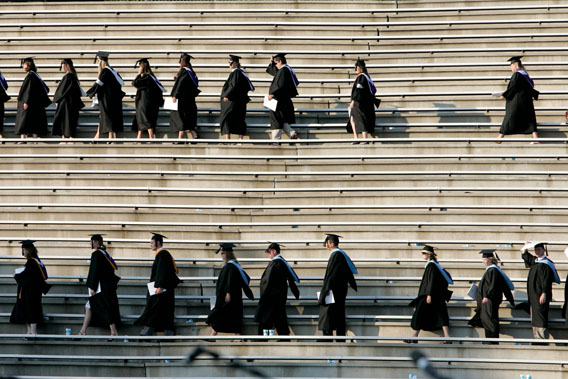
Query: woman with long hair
[
  {"x": 68, "y": 99},
  {"x": 109, "y": 94},
  {"x": 31, "y": 285},
  {"x": 431, "y": 310},
  {"x": 149, "y": 99},
  {"x": 362, "y": 105},
  {"x": 183, "y": 93},
  {"x": 227, "y": 316},
  {"x": 31, "y": 118}
]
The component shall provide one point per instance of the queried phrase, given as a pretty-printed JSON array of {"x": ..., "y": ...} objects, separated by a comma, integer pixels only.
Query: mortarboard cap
[
  {"x": 24, "y": 60},
  {"x": 280, "y": 56},
  {"x": 428, "y": 249},
  {"x": 225, "y": 247},
  {"x": 102, "y": 55},
  {"x": 487, "y": 253},
  {"x": 275, "y": 246},
  {"x": 27, "y": 243},
  {"x": 141, "y": 60},
  {"x": 158, "y": 237},
  {"x": 516, "y": 59},
  {"x": 97, "y": 237},
  {"x": 234, "y": 58},
  {"x": 333, "y": 238}
]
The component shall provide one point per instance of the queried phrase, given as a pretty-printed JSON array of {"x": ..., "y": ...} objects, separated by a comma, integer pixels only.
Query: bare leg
[
  {"x": 535, "y": 135},
  {"x": 181, "y": 134},
  {"x": 500, "y": 136},
  {"x": 352, "y": 121},
  {"x": 213, "y": 332},
  {"x": 415, "y": 333},
  {"x": 151, "y": 134},
  {"x": 33, "y": 328},
  {"x": 193, "y": 134},
  {"x": 22, "y": 136},
  {"x": 98, "y": 134},
  {"x": 113, "y": 331},
  {"x": 446, "y": 331},
  {"x": 276, "y": 133},
  {"x": 86, "y": 321},
  {"x": 139, "y": 135},
  {"x": 365, "y": 135}
]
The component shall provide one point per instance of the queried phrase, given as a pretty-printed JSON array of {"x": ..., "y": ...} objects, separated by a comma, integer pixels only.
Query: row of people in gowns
[
  {"x": 227, "y": 315},
  {"x": 430, "y": 304},
  {"x": 431, "y": 311},
  {"x": 107, "y": 95}
]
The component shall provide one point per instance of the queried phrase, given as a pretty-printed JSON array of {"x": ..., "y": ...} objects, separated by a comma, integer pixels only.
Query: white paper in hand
[
  {"x": 19, "y": 270},
  {"x": 270, "y": 104},
  {"x": 329, "y": 299},
  {"x": 212, "y": 301},
  {"x": 496, "y": 94},
  {"x": 169, "y": 104},
  {"x": 152, "y": 288}
]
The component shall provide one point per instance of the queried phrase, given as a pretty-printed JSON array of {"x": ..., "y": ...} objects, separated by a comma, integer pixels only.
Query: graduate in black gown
[
  {"x": 431, "y": 311},
  {"x": 542, "y": 273},
  {"x": 339, "y": 274},
  {"x": 234, "y": 99},
  {"x": 520, "y": 117},
  {"x": 68, "y": 99},
  {"x": 283, "y": 89},
  {"x": 102, "y": 281},
  {"x": 184, "y": 92},
  {"x": 109, "y": 94},
  {"x": 31, "y": 285},
  {"x": 227, "y": 316},
  {"x": 492, "y": 286},
  {"x": 159, "y": 313},
  {"x": 31, "y": 118},
  {"x": 363, "y": 101},
  {"x": 3, "y": 99},
  {"x": 271, "y": 310},
  {"x": 149, "y": 99}
]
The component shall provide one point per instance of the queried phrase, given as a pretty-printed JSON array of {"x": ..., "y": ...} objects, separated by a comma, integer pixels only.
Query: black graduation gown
[
  {"x": 337, "y": 276},
  {"x": 228, "y": 317},
  {"x": 149, "y": 99},
  {"x": 539, "y": 281},
  {"x": 520, "y": 117},
  {"x": 69, "y": 103},
  {"x": 3, "y": 98},
  {"x": 274, "y": 292},
  {"x": 31, "y": 286},
  {"x": 160, "y": 309},
  {"x": 34, "y": 119},
  {"x": 184, "y": 90},
  {"x": 363, "y": 111},
  {"x": 492, "y": 286},
  {"x": 110, "y": 96},
  {"x": 283, "y": 89},
  {"x": 434, "y": 315},
  {"x": 233, "y": 111},
  {"x": 104, "y": 305}
]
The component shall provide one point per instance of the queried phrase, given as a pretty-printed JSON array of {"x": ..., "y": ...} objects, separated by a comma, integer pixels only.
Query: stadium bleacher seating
[{"x": 432, "y": 174}]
